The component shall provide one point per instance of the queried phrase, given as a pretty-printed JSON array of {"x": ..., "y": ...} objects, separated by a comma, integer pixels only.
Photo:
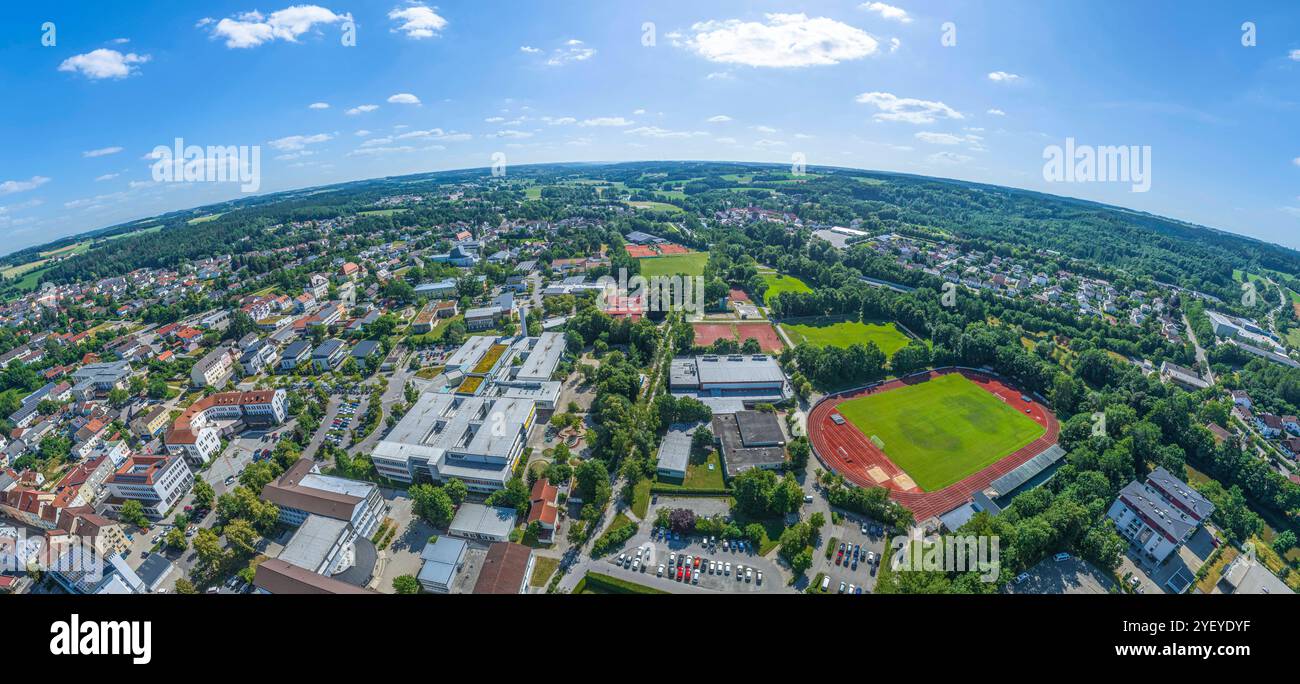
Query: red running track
[{"x": 845, "y": 450}]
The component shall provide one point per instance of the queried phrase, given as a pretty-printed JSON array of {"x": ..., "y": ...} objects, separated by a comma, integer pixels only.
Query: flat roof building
[
  {"x": 475, "y": 439},
  {"x": 753, "y": 377},
  {"x": 483, "y": 523},
  {"x": 749, "y": 439},
  {"x": 442, "y": 560}
]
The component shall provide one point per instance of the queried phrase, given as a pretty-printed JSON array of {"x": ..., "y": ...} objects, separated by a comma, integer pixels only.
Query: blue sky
[{"x": 430, "y": 87}]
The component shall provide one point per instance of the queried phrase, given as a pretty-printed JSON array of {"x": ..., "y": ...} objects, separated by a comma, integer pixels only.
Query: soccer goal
[{"x": 880, "y": 443}]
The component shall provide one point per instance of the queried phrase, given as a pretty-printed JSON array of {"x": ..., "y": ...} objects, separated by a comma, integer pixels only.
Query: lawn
[
  {"x": 641, "y": 498},
  {"x": 598, "y": 583},
  {"x": 655, "y": 206},
  {"x": 543, "y": 568},
  {"x": 777, "y": 283},
  {"x": 942, "y": 430},
  {"x": 691, "y": 264},
  {"x": 698, "y": 477},
  {"x": 887, "y": 336}
]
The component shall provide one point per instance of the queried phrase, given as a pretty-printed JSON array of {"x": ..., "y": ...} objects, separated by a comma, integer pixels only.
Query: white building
[
  {"x": 474, "y": 439},
  {"x": 214, "y": 369},
  {"x": 1159, "y": 515},
  {"x": 157, "y": 482}
]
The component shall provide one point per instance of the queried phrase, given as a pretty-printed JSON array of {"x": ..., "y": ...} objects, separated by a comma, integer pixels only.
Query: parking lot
[
  {"x": 850, "y": 534},
  {"x": 1069, "y": 576},
  {"x": 672, "y": 554}
]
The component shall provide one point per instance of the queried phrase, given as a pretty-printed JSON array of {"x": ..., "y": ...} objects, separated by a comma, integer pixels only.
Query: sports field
[
  {"x": 691, "y": 264},
  {"x": 776, "y": 284},
  {"x": 942, "y": 430},
  {"x": 843, "y": 333}
]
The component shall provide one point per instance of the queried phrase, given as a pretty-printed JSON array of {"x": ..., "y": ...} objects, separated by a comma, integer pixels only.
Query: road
[{"x": 1200, "y": 351}]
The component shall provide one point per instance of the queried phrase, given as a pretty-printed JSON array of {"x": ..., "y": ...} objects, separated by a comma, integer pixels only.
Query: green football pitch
[{"x": 942, "y": 430}]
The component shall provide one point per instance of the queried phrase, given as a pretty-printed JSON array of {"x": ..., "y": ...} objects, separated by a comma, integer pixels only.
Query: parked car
[
  {"x": 660, "y": 571},
  {"x": 1021, "y": 578},
  {"x": 1063, "y": 556},
  {"x": 843, "y": 586},
  {"x": 826, "y": 583}
]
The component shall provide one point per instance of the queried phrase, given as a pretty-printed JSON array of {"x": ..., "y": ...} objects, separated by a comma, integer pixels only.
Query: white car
[
  {"x": 660, "y": 572},
  {"x": 758, "y": 579},
  {"x": 712, "y": 568},
  {"x": 749, "y": 574},
  {"x": 740, "y": 572},
  {"x": 636, "y": 565},
  {"x": 695, "y": 578},
  {"x": 672, "y": 559},
  {"x": 726, "y": 570}
]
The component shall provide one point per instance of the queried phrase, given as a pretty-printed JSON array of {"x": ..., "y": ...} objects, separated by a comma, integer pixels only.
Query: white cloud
[
  {"x": 769, "y": 143},
  {"x": 574, "y": 50},
  {"x": 104, "y": 63},
  {"x": 657, "y": 132},
  {"x": 434, "y": 134},
  {"x": 765, "y": 129},
  {"x": 1296, "y": 161},
  {"x": 907, "y": 109},
  {"x": 101, "y": 152},
  {"x": 721, "y": 118},
  {"x": 362, "y": 109},
  {"x": 9, "y": 187},
  {"x": 362, "y": 133},
  {"x": 615, "y": 121},
  {"x": 1003, "y": 77},
  {"x": 107, "y": 176},
  {"x": 403, "y": 98},
  {"x": 561, "y": 121},
  {"x": 419, "y": 21},
  {"x": 251, "y": 29},
  {"x": 785, "y": 40},
  {"x": 318, "y": 105},
  {"x": 1294, "y": 55},
  {"x": 725, "y": 140},
  {"x": 298, "y": 142},
  {"x": 939, "y": 138},
  {"x": 120, "y": 41},
  {"x": 511, "y": 134},
  {"x": 948, "y": 158},
  {"x": 888, "y": 11},
  {"x": 638, "y": 112},
  {"x": 996, "y": 112},
  {"x": 719, "y": 76},
  {"x": 529, "y": 49},
  {"x": 894, "y": 44}
]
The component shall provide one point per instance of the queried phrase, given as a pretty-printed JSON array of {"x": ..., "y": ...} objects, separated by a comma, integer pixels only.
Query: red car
[
  {"x": 688, "y": 574},
  {"x": 697, "y": 561},
  {"x": 679, "y": 574}
]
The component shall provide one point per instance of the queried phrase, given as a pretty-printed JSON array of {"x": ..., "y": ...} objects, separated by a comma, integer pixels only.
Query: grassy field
[
  {"x": 691, "y": 264},
  {"x": 776, "y": 284},
  {"x": 843, "y": 333},
  {"x": 599, "y": 583},
  {"x": 543, "y": 568},
  {"x": 655, "y": 206},
  {"x": 942, "y": 430}
]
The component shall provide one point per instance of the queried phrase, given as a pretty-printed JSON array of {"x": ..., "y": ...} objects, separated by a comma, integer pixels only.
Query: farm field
[
  {"x": 655, "y": 206},
  {"x": 843, "y": 333},
  {"x": 691, "y": 264},
  {"x": 942, "y": 430}
]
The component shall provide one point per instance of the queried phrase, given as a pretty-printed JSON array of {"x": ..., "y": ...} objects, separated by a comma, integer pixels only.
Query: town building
[
  {"x": 157, "y": 482},
  {"x": 1159, "y": 515}
]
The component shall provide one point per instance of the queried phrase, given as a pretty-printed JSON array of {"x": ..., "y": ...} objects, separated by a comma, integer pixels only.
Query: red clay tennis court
[
  {"x": 843, "y": 448},
  {"x": 708, "y": 333}
]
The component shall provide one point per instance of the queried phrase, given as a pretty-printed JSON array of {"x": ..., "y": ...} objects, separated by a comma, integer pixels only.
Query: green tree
[
  {"x": 406, "y": 584},
  {"x": 132, "y": 513}
]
